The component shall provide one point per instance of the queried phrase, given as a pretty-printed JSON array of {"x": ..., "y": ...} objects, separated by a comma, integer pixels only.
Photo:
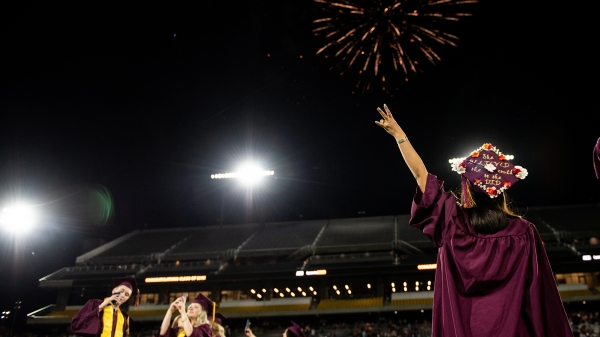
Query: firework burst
[{"x": 373, "y": 38}]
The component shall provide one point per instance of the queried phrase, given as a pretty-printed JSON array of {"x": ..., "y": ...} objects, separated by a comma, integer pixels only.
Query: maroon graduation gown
[
  {"x": 89, "y": 320},
  {"x": 203, "y": 330},
  {"x": 487, "y": 284},
  {"x": 597, "y": 159}
]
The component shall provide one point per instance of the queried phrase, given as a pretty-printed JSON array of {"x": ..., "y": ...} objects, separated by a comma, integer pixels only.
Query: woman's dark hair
[{"x": 490, "y": 215}]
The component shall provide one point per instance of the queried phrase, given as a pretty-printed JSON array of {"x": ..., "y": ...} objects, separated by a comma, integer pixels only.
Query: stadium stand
[{"x": 303, "y": 268}]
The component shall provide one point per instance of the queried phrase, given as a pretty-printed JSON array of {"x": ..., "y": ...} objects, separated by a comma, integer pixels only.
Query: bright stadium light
[
  {"x": 18, "y": 218},
  {"x": 248, "y": 174}
]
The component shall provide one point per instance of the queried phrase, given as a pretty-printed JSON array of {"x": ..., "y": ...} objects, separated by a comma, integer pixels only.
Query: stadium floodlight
[
  {"x": 18, "y": 218},
  {"x": 259, "y": 295},
  {"x": 248, "y": 174},
  {"x": 349, "y": 292},
  {"x": 276, "y": 290},
  {"x": 369, "y": 285}
]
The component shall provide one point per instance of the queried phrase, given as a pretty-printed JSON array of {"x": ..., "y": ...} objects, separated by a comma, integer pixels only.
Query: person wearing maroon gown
[
  {"x": 493, "y": 277},
  {"x": 104, "y": 318},
  {"x": 597, "y": 159},
  {"x": 191, "y": 323}
]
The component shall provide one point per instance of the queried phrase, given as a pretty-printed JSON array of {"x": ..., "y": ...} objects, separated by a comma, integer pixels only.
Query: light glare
[
  {"x": 18, "y": 218},
  {"x": 248, "y": 174}
]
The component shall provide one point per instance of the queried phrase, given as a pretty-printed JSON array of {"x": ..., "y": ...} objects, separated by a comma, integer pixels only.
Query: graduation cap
[
  {"x": 130, "y": 283},
  {"x": 219, "y": 318},
  {"x": 296, "y": 330},
  {"x": 487, "y": 171},
  {"x": 207, "y": 304}
]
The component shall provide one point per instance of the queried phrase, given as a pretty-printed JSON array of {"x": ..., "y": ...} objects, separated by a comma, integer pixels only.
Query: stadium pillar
[
  {"x": 323, "y": 289},
  {"x": 379, "y": 287},
  {"x": 215, "y": 293},
  {"x": 269, "y": 287},
  {"x": 62, "y": 299}
]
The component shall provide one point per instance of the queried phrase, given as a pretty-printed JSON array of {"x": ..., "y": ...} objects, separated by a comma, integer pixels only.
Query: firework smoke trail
[{"x": 373, "y": 38}]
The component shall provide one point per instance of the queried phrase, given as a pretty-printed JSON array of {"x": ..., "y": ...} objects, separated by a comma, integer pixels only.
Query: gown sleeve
[
  {"x": 597, "y": 159},
  {"x": 203, "y": 330},
  {"x": 433, "y": 209},
  {"x": 542, "y": 304},
  {"x": 87, "y": 320}
]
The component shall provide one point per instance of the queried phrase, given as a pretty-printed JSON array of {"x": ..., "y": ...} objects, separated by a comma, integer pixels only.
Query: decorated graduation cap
[
  {"x": 130, "y": 283},
  {"x": 208, "y": 305},
  {"x": 487, "y": 171},
  {"x": 296, "y": 330}
]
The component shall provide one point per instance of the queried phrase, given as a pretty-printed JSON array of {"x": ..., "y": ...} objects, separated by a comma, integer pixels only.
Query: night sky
[{"x": 142, "y": 101}]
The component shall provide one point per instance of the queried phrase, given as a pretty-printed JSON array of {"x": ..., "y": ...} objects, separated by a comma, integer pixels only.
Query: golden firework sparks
[{"x": 375, "y": 38}]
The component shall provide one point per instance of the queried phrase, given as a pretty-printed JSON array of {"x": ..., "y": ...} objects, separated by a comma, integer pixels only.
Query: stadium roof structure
[{"x": 266, "y": 252}]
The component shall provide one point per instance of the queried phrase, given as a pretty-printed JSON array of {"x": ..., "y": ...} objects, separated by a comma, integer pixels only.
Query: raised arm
[
  {"x": 412, "y": 159},
  {"x": 166, "y": 323}
]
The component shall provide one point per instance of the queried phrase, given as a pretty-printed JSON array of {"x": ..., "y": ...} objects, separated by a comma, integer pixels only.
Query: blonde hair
[
  {"x": 201, "y": 319},
  {"x": 217, "y": 329}
]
